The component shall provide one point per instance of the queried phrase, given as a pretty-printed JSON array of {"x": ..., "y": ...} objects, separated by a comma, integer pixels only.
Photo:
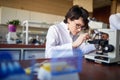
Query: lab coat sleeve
[
  {"x": 53, "y": 50},
  {"x": 64, "y": 50},
  {"x": 86, "y": 48},
  {"x": 114, "y": 20}
]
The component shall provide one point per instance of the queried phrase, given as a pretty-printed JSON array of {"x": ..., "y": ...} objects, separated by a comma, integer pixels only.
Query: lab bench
[{"x": 90, "y": 70}]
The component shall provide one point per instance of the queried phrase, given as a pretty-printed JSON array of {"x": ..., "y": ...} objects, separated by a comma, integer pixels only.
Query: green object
[{"x": 14, "y": 22}]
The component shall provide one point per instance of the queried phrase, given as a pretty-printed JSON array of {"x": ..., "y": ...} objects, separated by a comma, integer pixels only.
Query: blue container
[{"x": 67, "y": 65}]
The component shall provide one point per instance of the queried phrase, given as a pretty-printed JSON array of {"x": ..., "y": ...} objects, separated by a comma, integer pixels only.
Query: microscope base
[{"x": 101, "y": 58}]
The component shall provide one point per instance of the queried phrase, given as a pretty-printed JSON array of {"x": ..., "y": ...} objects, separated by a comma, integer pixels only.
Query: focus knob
[{"x": 108, "y": 48}]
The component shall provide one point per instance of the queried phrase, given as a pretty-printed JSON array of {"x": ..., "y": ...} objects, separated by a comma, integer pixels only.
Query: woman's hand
[{"x": 80, "y": 40}]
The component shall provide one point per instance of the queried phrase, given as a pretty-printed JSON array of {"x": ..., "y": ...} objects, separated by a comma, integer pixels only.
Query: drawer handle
[{"x": 32, "y": 56}]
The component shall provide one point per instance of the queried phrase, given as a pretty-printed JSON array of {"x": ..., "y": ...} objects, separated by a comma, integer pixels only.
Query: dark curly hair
[{"x": 75, "y": 12}]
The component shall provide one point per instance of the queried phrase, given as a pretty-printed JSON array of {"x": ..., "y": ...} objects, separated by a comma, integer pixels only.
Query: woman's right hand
[{"x": 80, "y": 40}]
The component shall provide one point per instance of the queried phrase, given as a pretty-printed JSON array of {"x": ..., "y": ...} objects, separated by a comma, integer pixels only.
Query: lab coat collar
[{"x": 65, "y": 25}]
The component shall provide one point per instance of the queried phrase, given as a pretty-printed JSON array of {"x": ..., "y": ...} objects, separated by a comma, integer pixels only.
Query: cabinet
[
  {"x": 25, "y": 53},
  {"x": 16, "y": 53},
  {"x": 42, "y": 17},
  {"x": 33, "y": 54},
  {"x": 7, "y": 14},
  {"x": 22, "y": 15}
]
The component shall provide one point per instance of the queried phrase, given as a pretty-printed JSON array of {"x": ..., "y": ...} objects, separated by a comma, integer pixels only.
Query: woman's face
[{"x": 75, "y": 26}]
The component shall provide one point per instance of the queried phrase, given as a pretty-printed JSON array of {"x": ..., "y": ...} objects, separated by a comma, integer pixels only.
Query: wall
[
  {"x": 118, "y": 6},
  {"x": 101, "y": 3},
  {"x": 57, "y": 7},
  {"x": 0, "y": 14},
  {"x": 87, "y": 4},
  {"x": 102, "y": 14}
]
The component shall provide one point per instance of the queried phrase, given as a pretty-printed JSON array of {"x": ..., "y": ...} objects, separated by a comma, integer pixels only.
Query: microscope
[{"x": 107, "y": 43}]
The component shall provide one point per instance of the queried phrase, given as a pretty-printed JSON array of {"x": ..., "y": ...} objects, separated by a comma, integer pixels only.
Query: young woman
[{"x": 64, "y": 35}]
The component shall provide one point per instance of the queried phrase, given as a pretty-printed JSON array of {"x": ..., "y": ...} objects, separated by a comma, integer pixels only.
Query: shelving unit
[{"x": 27, "y": 24}]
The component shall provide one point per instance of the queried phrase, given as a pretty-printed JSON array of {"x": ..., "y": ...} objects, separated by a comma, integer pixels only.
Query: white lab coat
[
  {"x": 114, "y": 20},
  {"x": 59, "y": 42}
]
